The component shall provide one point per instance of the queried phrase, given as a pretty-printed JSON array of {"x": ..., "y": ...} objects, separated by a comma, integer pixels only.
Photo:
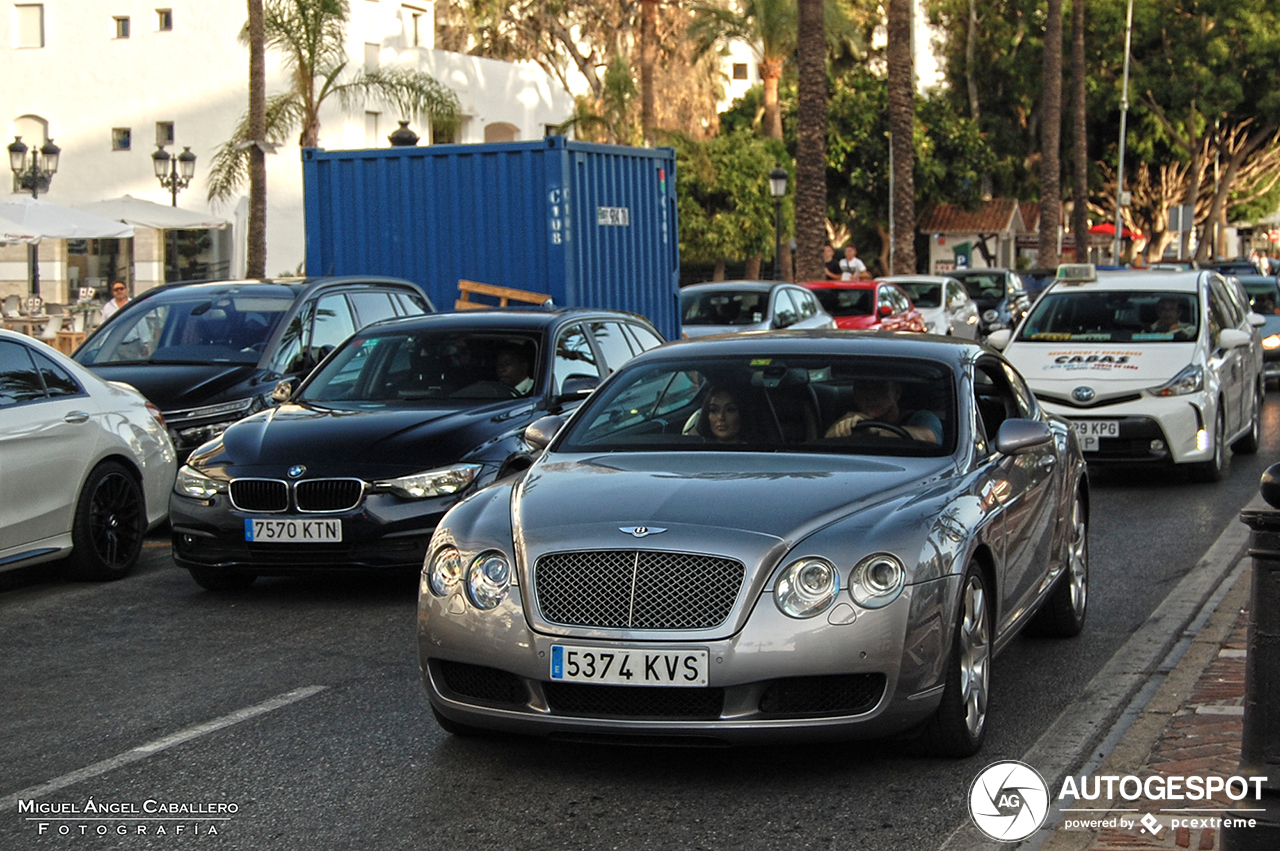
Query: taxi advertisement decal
[{"x": 1094, "y": 360}]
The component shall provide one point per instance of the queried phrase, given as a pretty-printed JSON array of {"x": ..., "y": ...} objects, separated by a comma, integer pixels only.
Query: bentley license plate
[
  {"x": 629, "y": 666},
  {"x": 1089, "y": 432},
  {"x": 271, "y": 530}
]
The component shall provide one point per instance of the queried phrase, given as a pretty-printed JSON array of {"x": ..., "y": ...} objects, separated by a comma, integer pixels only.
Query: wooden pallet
[{"x": 504, "y": 295}]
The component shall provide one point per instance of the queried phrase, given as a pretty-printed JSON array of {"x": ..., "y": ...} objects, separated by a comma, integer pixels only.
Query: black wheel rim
[{"x": 115, "y": 515}]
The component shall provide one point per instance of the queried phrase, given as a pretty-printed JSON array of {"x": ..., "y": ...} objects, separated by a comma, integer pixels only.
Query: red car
[{"x": 868, "y": 305}]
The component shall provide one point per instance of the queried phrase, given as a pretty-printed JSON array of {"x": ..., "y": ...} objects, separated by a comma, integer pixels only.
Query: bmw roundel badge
[{"x": 296, "y": 470}]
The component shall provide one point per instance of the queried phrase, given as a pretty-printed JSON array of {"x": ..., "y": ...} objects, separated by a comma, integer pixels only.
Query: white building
[{"x": 109, "y": 79}]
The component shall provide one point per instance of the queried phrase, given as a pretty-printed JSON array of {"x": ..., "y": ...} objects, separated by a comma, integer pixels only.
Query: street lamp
[
  {"x": 174, "y": 174},
  {"x": 33, "y": 178},
  {"x": 778, "y": 189}
]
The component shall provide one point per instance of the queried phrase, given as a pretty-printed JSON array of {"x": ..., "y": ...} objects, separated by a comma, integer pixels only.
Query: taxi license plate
[
  {"x": 273, "y": 531},
  {"x": 629, "y": 666},
  {"x": 1089, "y": 431}
]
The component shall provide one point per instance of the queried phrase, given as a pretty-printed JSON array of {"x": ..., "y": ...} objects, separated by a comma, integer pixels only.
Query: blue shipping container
[{"x": 590, "y": 225}]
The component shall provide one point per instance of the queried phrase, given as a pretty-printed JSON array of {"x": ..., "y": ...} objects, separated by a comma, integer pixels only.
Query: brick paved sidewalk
[{"x": 1192, "y": 726}]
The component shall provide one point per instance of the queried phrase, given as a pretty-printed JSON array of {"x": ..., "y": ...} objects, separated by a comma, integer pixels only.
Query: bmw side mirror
[
  {"x": 541, "y": 431},
  {"x": 577, "y": 387},
  {"x": 283, "y": 390},
  {"x": 1017, "y": 436}
]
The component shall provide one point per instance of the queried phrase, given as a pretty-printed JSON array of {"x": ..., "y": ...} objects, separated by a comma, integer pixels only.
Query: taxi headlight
[
  {"x": 1272, "y": 342},
  {"x": 1189, "y": 380},
  {"x": 445, "y": 571},
  {"x": 197, "y": 485},
  {"x": 806, "y": 587},
  {"x": 877, "y": 581},
  {"x": 440, "y": 482},
  {"x": 488, "y": 580}
]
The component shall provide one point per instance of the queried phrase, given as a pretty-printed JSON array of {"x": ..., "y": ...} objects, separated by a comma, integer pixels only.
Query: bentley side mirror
[{"x": 1017, "y": 436}]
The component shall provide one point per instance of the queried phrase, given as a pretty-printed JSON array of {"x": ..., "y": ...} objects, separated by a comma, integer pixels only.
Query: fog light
[
  {"x": 1202, "y": 440},
  {"x": 1157, "y": 446}
]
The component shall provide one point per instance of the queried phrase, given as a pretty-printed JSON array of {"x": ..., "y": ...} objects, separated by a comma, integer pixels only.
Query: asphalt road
[{"x": 292, "y": 717}]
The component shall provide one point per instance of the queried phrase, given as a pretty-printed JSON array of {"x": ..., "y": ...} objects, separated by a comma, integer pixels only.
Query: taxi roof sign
[{"x": 1076, "y": 273}]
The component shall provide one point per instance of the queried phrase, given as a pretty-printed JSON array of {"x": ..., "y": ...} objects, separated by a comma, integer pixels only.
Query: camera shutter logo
[{"x": 1008, "y": 801}]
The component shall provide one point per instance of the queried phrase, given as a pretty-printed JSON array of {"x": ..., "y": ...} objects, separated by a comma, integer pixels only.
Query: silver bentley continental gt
[{"x": 782, "y": 536}]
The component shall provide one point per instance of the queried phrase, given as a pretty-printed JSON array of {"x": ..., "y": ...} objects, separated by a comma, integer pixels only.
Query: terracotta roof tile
[{"x": 994, "y": 216}]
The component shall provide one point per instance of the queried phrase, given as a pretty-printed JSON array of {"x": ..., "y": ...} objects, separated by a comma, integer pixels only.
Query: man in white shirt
[
  {"x": 119, "y": 298},
  {"x": 512, "y": 367},
  {"x": 851, "y": 268}
]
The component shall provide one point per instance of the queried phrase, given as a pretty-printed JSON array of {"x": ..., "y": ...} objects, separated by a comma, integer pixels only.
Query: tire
[
  {"x": 221, "y": 578},
  {"x": 1211, "y": 470},
  {"x": 959, "y": 726},
  {"x": 110, "y": 523},
  {"x": 1063, "y": 612},
  {"x": 1248, "y": 445}
]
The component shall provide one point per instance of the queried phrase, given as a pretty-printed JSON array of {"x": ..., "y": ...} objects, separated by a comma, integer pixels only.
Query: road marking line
[
  {"x": 152, "y": 748},
  {"x": 1128, "y": 680}
]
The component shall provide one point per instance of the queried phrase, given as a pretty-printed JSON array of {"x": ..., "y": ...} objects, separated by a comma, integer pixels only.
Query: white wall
[{"x": 85, "y": 81}]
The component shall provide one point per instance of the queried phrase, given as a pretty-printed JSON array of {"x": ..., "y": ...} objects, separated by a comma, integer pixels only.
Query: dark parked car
[
  {"x": 1000, "y": 295},
  {"x": 208, "y": 354},
  {"x": 1264, "y": 298},
  {"x": 357, "y": 467}
]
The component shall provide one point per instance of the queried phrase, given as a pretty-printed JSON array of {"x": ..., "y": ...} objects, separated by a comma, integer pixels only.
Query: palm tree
[
  {"x": 310, "y": 35},
  {"x": 811, "y": 141},
  {"x": 1080, "y": 136},
  {"x": 901, "y": 84},
  {"x": 648, "y": 50},
  {"x": 256, "y": 266},
  {"x": 1051, "y": 138}
]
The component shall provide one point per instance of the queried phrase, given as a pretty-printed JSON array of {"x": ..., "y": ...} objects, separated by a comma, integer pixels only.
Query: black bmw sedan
[{"x": 357, "y": 467}]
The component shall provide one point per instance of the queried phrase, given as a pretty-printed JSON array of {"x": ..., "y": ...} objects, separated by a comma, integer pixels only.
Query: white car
[
  {"x": 943, "y": 302},
  {"x": 1149, "y": 367},
  {"x": 86, "y": 466},
  {"x": 732, "y": 306}
]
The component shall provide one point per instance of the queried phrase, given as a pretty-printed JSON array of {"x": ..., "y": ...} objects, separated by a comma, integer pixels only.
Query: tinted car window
[
  {"x": 290, "y": 352},
  {"x": 923, "y": 294},
  {"x": 646, "y": 338},
  {"x": 612, "y": 343},
  {"x": 333, "y": 323},
  {"x": 724, "y": 307},
  {"x": 372, "y": 306},
  {"x": 410, "y": 305},
  {"x": 57, "y": 381},
  {"x": 846, "y": 302},
  {"x": 574, "y": 356},
  {"x": 19, "y": 381},
  {"x": 785, "y": 310},
  {"x": 805, "y": 302},
  {"x": 191, "y": 326}
]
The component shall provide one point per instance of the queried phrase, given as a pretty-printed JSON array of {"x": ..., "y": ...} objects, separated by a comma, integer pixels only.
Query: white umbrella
[
  {"x": 53, "y": 222},
  {"x": 11, "y": 231},
  {"x": 143, "y": 213}
]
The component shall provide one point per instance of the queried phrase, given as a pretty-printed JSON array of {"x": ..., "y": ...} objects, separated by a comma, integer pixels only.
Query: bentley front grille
[
  {"x": 636, "y": 589},
  {"x": 259, "y": 495}
]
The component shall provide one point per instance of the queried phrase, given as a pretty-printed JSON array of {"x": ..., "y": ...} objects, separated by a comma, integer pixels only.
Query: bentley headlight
[
  {"x": 488, "y": 580},
  {"x": 806, "y": 587},
  {"x": 877, "y": 581},
  {"x": 1190, "y": 380},
  {"x": 440, "y": 482},
  {"x": 197, "y": 485},
  {"x": 445, "y": 571}
]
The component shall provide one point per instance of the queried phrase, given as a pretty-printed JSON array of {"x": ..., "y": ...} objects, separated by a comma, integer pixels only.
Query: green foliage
[{"x": 724, "y": 205}]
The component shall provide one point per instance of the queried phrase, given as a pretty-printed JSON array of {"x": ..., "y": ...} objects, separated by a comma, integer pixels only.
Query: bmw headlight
[
  {"x": 1190, "y": 380},
  {"x": 806, "y": 587},
  {"x": 197, "y": 485},
  {"x": 877, "y": 581},
  {"x": 445, "y": 571},
  {"x": 488, "y": 580},
  {"x": 440, "y": 482}
]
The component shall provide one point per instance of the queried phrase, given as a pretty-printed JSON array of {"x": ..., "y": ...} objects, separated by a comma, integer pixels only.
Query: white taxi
[{"x": 1148, "y": 366}]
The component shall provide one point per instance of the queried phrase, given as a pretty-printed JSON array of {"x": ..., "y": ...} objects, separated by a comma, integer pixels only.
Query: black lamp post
[
  {"x": 778, "y": 189},
  {"x": 174, "y": 174},
  {"x": 34, "y": 178}
]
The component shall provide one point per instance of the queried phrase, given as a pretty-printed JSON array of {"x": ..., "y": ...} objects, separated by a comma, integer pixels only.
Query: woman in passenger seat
[{"x": 724, "y": 418}]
